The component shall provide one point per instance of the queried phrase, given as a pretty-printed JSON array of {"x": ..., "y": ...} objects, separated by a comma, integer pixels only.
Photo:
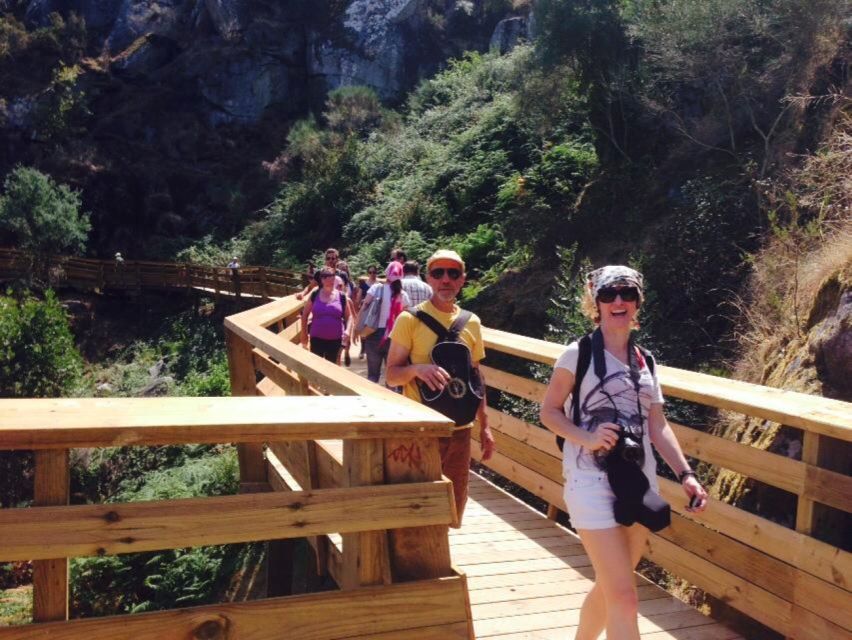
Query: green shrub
[
  {"x": 163, "y": 579},
  {"x": 38, "y": 215},
  {"x": 38, "y": 357}
]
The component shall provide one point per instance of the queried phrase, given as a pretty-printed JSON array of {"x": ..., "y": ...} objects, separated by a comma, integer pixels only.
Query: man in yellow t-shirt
[{"x": 409, "y": 360}]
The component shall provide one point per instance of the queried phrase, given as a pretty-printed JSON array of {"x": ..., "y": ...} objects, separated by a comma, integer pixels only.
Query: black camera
[{"x": 628, "y": 446}]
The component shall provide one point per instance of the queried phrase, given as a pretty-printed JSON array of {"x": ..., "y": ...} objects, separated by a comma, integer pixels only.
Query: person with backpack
[
  {"x": 434, "y": 355},
  {"x": 605, "y": 405},
  {"x": 330, "y": 318}
]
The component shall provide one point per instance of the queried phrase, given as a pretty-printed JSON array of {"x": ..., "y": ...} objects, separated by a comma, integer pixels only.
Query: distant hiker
[
  {"x": 396, "y": 255},
  {"x": 345, "y": 285},
  {"x": 331, "y": 259},
  {"x": 119, "y": 260},
  {"x": 385, "y": 295},
  {"x": 411, "y": 363},
  {"x": 364, "y": 285},
  {"x": 417, "y": 290},
  {"x": 330, "y": 317},
  {"x": 604, "y": 399},
  {"x": 234, "y": 263}
]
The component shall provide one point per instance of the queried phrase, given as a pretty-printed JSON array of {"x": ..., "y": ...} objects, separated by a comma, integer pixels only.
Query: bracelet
[{"x": 686, "y": 474}]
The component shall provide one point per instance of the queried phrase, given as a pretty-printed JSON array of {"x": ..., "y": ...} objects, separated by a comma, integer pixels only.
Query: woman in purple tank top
[{"x": 331, "y": 322}]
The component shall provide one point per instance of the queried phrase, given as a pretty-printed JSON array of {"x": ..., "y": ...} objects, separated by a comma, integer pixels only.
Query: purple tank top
[{"x": 327, "y": 319}]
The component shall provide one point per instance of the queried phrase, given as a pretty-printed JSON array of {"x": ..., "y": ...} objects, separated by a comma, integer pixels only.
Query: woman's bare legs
[{"x": 612, "y": 604}]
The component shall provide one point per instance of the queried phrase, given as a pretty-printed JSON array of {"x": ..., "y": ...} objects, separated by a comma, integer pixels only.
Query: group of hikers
[{"x": 603, "y": 403}]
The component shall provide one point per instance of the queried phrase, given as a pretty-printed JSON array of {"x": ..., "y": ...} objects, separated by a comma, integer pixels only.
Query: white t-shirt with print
[{"x": 599, "y": 403}]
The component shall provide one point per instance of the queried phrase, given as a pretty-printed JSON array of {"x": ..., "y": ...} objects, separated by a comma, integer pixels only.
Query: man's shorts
[{"x": 455, "y": 464}]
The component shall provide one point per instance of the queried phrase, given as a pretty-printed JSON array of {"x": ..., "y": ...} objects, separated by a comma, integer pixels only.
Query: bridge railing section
[
  {"x": 380, "y": 521},
  {"x": 138, "y": 275},
  {"x": 784, "y": 578}
]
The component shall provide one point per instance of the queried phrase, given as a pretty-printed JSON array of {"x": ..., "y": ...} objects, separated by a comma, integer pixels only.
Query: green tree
[
  {"x": 38, "y": 357},
  {"x": 38, "y": 215}
]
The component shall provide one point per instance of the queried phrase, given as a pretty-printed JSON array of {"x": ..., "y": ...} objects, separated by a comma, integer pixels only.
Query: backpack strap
[
  {"x": 436, "y": 327},
  {"x": 649, "y": 359},
  {"x": 459, "y": 324},
  {"x": 584, "y": 359}
]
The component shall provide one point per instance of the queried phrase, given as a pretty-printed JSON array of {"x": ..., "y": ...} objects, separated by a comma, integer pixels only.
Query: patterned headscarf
[{"x": 615, "y": 275}]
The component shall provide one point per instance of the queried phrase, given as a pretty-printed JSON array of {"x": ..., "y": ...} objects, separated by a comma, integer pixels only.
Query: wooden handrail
[
  {"x": 87, "y": 273},
  {"x": 92, "y": 422}
]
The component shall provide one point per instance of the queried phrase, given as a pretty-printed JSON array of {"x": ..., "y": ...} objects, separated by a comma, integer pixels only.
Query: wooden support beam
[
  {"x": 50, "y": 575},
  {"x": 42, "y": 533},
  {"x": 425, "y": 610},
  {"x": 422, "y": 552},
  {"x": 243, "y": 383},
  {"x": 805, "y": 512},
  {"x": 365, "y": 555}
]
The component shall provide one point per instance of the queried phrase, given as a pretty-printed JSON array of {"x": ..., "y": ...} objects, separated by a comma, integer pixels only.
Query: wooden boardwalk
[{"x": 528, "y": 576}]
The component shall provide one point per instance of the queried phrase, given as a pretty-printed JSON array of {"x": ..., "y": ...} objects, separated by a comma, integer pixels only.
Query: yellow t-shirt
[{"x": 414, "y": 335}]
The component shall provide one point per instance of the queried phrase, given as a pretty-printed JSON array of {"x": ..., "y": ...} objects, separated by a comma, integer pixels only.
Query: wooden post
[
  {"x": 552, "y": 512},
  {"x": 263, "y": 292},
  {"x": 421, "y": 552},
  {"x": 50, "y": 577},
  {"x": 365, "y": 555},
  {"x": 216, "y": 285},
  {"x": 243, "y": 383},
  {"x": 805, "y": 515}
]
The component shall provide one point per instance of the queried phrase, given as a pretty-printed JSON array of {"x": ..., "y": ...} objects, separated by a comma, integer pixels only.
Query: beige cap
[{"x": 445, "y": 254}]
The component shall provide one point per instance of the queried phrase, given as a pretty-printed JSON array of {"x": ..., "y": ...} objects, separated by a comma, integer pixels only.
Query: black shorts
[{"x": 328, "y": 349}]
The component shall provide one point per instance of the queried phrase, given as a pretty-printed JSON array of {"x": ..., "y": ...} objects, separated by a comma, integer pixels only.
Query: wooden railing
[
  {"x": 784, "y": 578},
  {"x": 412, "y": 512},
  {"x": 138, "y": 275}
]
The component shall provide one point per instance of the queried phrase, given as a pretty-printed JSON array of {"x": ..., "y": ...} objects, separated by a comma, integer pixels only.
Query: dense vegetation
[{"x": 680, "y": 136}]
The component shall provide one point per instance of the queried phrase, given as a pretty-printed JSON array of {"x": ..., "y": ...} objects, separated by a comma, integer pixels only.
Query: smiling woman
[{"x": 604, "y": 399}]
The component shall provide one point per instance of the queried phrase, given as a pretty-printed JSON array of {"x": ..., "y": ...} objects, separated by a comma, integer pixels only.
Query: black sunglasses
[
  {"x": 439, "y": 272},
  {"x": 372, "y": 272},
  {"x": 628, "y": 294},
  {"x": 326, "y": 275}
]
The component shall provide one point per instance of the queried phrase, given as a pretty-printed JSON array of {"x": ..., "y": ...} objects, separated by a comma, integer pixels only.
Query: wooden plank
[
  {"x": 811, "y": 413},
  {"x": 531, "y": 434},
  {"x": 779, "y": 578},
  {"x": 528, "y": 456},
  {"x": 822, "y": 560},
  {"x": 50, "y": 575},
  {"x": 532, "y": 481},
  {"x": 422, "y": 552},
  {"x": 763, "y": 606},
  {"x": 516, "y": 385},
  {"x": 243, "y": 381},
  {"x": 89, "y": 530},
  {"x": 108, "y": 422},
  {"x": 324, "y": 616},
  {"x": 366, "y": 557}
]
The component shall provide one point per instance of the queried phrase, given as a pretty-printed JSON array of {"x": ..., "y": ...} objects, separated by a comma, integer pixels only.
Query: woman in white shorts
[{"x": 612, "y": 300}]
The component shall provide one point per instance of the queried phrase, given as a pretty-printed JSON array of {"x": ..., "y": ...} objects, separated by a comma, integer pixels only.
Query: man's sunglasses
[
  {"x": 371, "y": 273},
  {"x": 628, "y": 294},
  {"x": 439, "y": 272},
  {"x": 323, "y": 276}
]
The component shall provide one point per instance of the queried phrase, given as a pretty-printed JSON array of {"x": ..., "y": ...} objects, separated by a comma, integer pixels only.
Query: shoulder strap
[
  {"x": 342, "y": 305},
  {"x": 436, "y": 327},
  {"x": 649, "y": 359},
  {"x": 459, "y": 324},
  {"x": 584, "y": 358}
]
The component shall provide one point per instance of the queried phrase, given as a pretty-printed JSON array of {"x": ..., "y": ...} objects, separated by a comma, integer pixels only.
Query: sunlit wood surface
[{"x": 528, "y": 577}]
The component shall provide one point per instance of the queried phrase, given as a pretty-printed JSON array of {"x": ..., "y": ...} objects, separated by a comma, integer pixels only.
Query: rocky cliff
[{"x": 162, "y": 111}]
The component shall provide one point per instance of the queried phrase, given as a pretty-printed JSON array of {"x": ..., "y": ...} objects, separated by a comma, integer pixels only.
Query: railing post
[
  {"x": 263, "y": 292},
  {"x": 365, "y": 555},
  {"x": 50, "y": 577},
  {"x": 421, "y": 552},
  {"x": 805, "y": 515},
  {"x": 243, "y": 383}
]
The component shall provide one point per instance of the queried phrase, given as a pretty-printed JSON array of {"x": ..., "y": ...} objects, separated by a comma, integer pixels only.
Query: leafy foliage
[
  {"x": 38, "y": 215},
  {"x": 38, "y": 357},
  {"x": 160, "y": 580}
]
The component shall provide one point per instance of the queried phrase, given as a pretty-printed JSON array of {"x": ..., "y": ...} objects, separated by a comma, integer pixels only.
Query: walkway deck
[{"x": 528, "y": 576}]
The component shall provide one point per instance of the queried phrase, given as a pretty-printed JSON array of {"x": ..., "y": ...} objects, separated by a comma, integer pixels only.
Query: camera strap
[{"x": 599, "y": 359}]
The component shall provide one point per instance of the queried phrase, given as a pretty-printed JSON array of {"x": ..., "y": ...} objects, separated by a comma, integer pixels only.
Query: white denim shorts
[{"x": 589, "y": 500}]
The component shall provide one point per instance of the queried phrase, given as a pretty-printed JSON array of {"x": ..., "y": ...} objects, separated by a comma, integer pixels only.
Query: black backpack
[
  {"x": 460, "y": 398},
  {"x": 584, "y": 359}
]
